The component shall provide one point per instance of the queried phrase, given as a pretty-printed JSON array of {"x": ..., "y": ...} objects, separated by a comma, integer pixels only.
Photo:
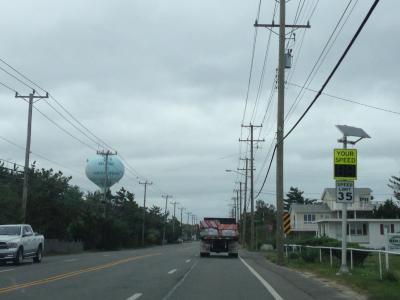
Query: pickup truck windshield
[{"x": 10, "y": 230}]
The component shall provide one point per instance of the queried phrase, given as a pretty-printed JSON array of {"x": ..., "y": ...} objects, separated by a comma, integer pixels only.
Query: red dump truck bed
[{"x": 219, "y": 235}]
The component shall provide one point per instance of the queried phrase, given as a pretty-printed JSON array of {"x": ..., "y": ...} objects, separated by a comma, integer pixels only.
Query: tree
[
  {"x": 265, "y": 213},
  {"x": 394, "y": 184},
  {"x": 60, "y": 210},
  {"x": 388, "y": 210},
  {"x": 295, "y": 195}
]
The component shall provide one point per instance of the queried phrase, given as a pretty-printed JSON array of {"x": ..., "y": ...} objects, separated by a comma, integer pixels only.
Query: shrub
[
  {"x": 309, "y": 255},
  {"x": 293, "y": 255},
  {"x": 390, "y": 276},
  {"x": 358, "y": 256}
]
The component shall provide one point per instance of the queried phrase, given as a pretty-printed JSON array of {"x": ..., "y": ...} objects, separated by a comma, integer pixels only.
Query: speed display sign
[{"x": 344, "y": 191}]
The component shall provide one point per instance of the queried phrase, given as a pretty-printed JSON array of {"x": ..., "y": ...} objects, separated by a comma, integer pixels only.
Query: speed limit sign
[{"x": 344, "y": 191}]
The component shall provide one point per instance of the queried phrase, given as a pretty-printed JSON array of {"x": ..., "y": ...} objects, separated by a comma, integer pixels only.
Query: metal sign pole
[{"x": 343, "y": 267}]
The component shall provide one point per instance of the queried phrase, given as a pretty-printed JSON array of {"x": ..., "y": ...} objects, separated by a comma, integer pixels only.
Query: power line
[
  {"x": 326, "y": 54},
  {"x": 261, "y": 82},
  {"x": 8, "y": 87},
  {"x": 97, "y": 140},
  {"x": 335, "y": 68},
  {"x": 38, "y": 155},
  {"x": 347, "y": 100},
  {"x": 73, "y": 125},
  {"x": 251, "y": 63},
  {"x": 324, "y": 85},
  {"x": 64, "y": 130},
  {"x": 16, "y": 78},
  {"x": 319, "y": 59},
  {"x": 300, "y": 47}
]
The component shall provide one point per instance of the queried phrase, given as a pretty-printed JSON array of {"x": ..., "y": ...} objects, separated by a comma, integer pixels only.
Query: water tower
[{"x": 104, "y": 170}]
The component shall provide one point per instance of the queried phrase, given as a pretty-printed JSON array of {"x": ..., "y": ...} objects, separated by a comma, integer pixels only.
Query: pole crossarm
[{"x": 256, "y": 24}]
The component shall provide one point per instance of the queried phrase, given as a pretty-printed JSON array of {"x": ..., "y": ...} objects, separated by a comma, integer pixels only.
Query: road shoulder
[{"x": 292, "y": 284}]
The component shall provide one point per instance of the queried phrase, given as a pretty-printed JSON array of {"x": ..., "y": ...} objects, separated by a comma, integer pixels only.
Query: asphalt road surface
[{"x": 168, "y": 272}]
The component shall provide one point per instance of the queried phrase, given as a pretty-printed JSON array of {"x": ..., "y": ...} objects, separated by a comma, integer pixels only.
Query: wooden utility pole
[
  {"x": 252, "y": 140},
  {"x": 173, "y": 219},
  {"x": 165, "y": 215},
  {"x": 31, "y": 97},
  {"x": 182, "y": 209},
  {"x": 245, "y": 200},
  {"x": 106, "y": 184},
  {"x": 240, "y": 204},
  {"x": 280, "y": 124},
  {"x": 145, "y": 183}
]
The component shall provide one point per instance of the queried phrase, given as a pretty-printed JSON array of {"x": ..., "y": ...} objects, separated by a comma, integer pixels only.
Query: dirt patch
[{"x": 347, "y": 292}]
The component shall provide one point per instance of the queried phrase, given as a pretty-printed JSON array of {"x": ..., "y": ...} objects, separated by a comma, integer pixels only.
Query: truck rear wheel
[
  {"x": 204, "y": 254},
  {"x": 233, "y": 255},
  {"x": 39, "y": 255}
]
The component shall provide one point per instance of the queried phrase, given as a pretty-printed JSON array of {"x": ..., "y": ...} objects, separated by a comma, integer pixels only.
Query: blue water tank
[{"x": 95, "y": 170}]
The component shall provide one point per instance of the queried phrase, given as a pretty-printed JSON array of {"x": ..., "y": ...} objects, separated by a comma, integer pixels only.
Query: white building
[
  {"x": 303, "y": 217},
  {"x": 325, "y": 219}
]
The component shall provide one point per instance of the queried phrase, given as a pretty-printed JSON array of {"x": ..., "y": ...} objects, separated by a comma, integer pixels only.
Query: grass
[{"x": 365, "y": 278}]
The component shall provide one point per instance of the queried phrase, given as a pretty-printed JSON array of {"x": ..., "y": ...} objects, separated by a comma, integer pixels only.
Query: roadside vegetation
[
  {"x": 365, "y": 276},
  {"x": 59, "y": 210}
]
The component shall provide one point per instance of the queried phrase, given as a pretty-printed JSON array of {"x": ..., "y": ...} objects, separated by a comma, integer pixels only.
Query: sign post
[{"x": 345, "y": 172}]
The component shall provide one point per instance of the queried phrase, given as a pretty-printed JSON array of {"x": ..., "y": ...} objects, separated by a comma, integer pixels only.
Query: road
[{"x": 168, "y": 272}]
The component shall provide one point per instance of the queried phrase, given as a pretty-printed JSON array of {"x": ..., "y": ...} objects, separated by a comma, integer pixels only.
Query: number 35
[{"x": 349, "y": 196}]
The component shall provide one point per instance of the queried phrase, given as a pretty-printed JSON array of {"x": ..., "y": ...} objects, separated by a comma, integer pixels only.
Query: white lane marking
[
  {"x": 188, "y": 260},
  {"x": 179, "y": 282},
  {"x": 105, "y": 255},
  {"x": 172, "y": 271},
  {"x": 135, "y": 296},
  {"x": 6, "y": 270},
  {"x": 270, "y": 289},
  {"x": 70, "y": 260}
]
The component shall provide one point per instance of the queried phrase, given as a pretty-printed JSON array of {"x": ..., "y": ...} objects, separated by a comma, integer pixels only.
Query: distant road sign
[
  {"x": 286, "y": 223},
  {"x": 344, "y": 191},
  {"x": 345, "y": 164}
]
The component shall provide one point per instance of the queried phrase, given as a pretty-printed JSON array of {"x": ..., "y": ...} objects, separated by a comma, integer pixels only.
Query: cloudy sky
[{"x": 164, "y": 83}]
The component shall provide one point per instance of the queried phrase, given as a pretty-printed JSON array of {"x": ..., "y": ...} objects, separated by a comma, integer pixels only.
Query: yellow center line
[{"x": 72, "y": 274}]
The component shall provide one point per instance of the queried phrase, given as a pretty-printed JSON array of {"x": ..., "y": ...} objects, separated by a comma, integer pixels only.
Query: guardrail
[{"x": 295, "y": 247}]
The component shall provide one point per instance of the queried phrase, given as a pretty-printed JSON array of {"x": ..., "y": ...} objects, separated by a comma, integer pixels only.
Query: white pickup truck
[{"x": 18, "y": 242}]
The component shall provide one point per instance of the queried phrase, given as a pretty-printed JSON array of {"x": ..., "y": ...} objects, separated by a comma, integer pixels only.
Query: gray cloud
[{"x": 164, "y": 84}]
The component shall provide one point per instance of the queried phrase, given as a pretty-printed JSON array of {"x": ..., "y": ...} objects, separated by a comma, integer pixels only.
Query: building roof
[
  {"x": 357, "y": 191},
  {"x": 360, "y": 220},
  {"x": 310, "y": 208}
]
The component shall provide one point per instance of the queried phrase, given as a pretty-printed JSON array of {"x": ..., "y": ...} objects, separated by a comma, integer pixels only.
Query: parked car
[{"x": 18, "y": 242}]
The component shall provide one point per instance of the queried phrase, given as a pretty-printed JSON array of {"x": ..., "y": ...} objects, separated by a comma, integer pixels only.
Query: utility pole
[
  {"x": 239, "y": 205},
  {"x": 240, "y": 201},
  {"x": 145, "y": 183},
  {"x": 182, "y": 209},
  {"x": 173, "y": 219},
  {"x": 280, "y": 122},
  {"x": 252, "y": 140},
  {"x": 191, "y": 227},
  {"x": 165, "y": 215},
  {"x": 105, "y": 154},
  {"x": 234, "y": 211},
  {"x": 188, "y": 214},
  {"x": 31, "y": 97},
  {"x": 245, "y": 200}
]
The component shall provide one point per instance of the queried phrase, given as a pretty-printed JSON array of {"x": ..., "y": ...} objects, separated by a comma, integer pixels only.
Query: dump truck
[{"x": 219, "y": 235}]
